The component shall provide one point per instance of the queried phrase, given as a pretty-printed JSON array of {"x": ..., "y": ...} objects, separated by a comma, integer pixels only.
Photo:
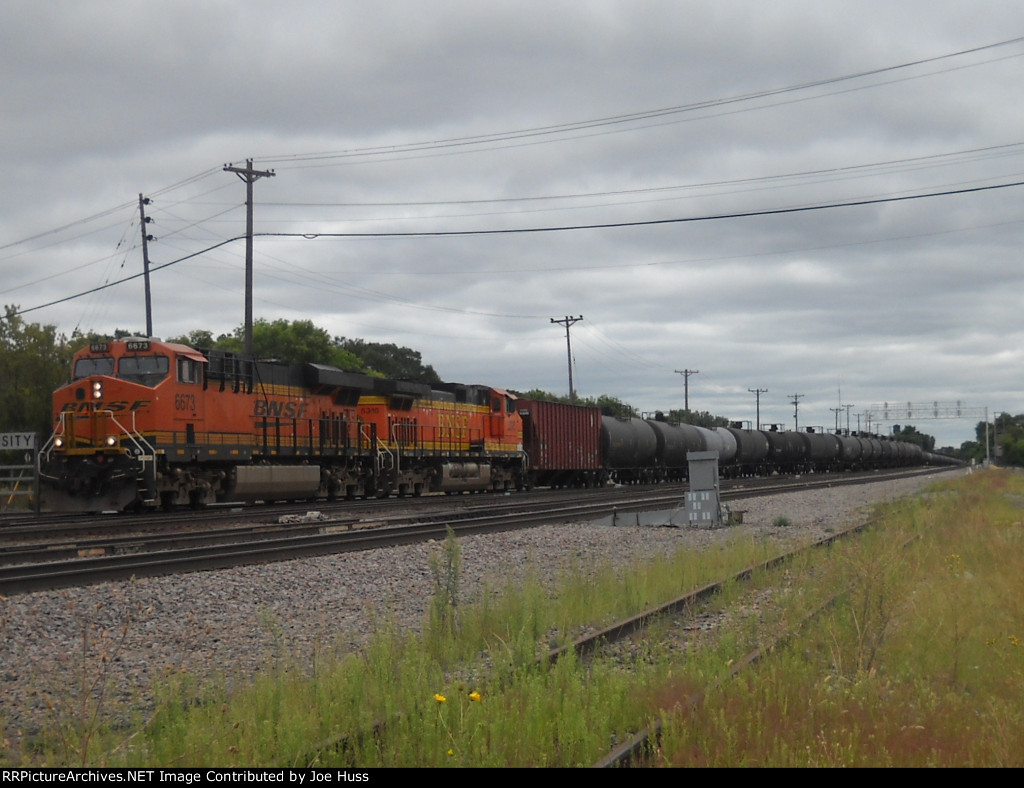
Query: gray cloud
[{"x": 404, "y": 117}]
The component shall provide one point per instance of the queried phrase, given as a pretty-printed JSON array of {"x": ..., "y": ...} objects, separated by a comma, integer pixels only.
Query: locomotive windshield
[
  {"x": 85, "y": 367},
  {"x": 146, "y": 370}
]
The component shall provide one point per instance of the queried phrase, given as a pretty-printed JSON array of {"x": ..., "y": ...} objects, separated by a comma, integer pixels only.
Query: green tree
[
  {"x": 910, "y": 434},
  {"x": 34, "y": 360},
  {"x": 613, "y": 406},
  {"x": 299, "y": 342},
  {"x": 698, "y": 418},
  {"x": 199, "y": 338},
  {"x": 610, "y": 406},
  {"x": 390, "y": 361},
  {"x": 540, "y": 395}
]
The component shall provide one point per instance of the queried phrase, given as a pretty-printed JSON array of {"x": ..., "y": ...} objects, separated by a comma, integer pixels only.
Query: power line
[
  {"x": 548, "y": 129},
  {"x": 649, "y": 222},
  {"x": 936, "y": 159},
  {"x": 107, "y": 285},
  {"x": 608, "y": 225},
  {"x": 615, "y": 120}
]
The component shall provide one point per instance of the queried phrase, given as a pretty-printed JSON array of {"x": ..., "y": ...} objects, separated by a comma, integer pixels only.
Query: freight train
[{"x": 146, "y": 424}]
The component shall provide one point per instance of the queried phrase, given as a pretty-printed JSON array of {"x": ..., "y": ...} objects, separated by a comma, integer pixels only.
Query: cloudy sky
[{"x": 813, "y": 198}]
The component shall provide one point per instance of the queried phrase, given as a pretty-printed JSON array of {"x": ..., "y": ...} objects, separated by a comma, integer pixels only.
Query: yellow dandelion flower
[
  {"x": 439, "y": 697},
  {"x": 475, "y": 697},
  {"x": 451, "y": 752}
]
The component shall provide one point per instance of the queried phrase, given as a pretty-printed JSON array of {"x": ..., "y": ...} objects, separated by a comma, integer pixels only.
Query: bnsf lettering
[
  {"x": 453, "y": 421},
  {"x": 116, "y": 406},
  {"x": 280, "y": 410},
  {"x": 452, "y": 425}
]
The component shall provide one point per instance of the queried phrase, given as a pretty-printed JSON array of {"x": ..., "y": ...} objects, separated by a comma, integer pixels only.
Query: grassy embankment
[{"x": 919, "y": 662}]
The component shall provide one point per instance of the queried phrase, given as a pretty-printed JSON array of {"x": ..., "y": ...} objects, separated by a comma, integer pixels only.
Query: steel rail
[{"x": 323, "y": 539}]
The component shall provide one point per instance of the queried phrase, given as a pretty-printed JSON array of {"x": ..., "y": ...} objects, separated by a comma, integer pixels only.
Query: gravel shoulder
[{"x": 232, "y": 622}]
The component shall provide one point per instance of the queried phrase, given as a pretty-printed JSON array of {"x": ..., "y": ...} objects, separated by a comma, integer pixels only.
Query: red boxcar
[{"x": 562, "y": 443}]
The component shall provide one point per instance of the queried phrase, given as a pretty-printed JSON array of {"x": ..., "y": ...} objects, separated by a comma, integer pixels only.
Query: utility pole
[
  {"x": 568, "y": 321},
  {"x": 836, "y": 411},
  {"x": 847, "y": 418},
  {"x": 758, "y": 392},
  {"x": 146, "y": 238},
  {"x": 250, "y": 176},
  {"x": 795, "y": 401},
  {"x": 686, "y": 385}
]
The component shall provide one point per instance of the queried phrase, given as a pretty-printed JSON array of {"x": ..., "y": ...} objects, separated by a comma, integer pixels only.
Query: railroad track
[
  {"x": 20, "y": 529},
  {"x": 83, "y": 561},
  {"x": 639, "y": 749}
]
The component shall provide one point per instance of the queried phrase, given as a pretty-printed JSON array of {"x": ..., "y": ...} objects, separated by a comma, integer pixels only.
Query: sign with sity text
[{"x": 17, "y": 441}]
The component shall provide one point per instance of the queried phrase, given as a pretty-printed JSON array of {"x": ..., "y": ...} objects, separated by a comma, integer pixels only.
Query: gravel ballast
[{"x": 232, "y": 622}]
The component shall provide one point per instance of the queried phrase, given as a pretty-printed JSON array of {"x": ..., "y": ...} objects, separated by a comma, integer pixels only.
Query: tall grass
[{"x": 918, "y": 661}]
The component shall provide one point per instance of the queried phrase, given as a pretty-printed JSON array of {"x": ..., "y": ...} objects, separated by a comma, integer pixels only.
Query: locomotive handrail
[
  {"x": 47, "y": 447},
  {"x": 381, "y": 449},
  {"x": 142, "y": 445},
  {"x": 136, "y": 437}
]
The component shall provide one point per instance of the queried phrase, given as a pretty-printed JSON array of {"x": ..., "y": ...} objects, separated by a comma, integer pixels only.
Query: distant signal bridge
[
  {"x": 892, "y": 411},
  {"x": 899, "y": 411}
]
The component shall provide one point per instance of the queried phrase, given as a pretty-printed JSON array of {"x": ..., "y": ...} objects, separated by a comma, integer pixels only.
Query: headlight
[
  {"x": 58, "y": 443},
  {"x": 97, "y": 389},
  {"x": 111, "y": 440}
]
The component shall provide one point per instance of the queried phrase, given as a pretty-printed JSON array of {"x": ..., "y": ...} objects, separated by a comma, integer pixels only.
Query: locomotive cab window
[
  {"x": 188, "y": 370},
  {"x": 85, "y": 367},
  {"x": 145, "y": 370}
]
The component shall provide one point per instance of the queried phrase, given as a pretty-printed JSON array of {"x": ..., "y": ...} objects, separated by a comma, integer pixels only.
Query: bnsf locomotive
[{"x": 145, "y": 423}]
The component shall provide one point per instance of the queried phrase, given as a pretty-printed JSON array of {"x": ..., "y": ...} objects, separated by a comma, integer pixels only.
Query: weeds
[
  {"x": 919, "y": 663},
  {"x": 445, "y": 569}
]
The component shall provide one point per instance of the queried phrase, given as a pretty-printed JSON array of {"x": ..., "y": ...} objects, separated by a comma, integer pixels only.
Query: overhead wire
[
  {"x": 643, "y": 222},
  {"x": 903, "y": 164},
  {"x": 632, "y": 117},
  {"x": 607, "y": 225},
  {"x": 551, "y": 130}
]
